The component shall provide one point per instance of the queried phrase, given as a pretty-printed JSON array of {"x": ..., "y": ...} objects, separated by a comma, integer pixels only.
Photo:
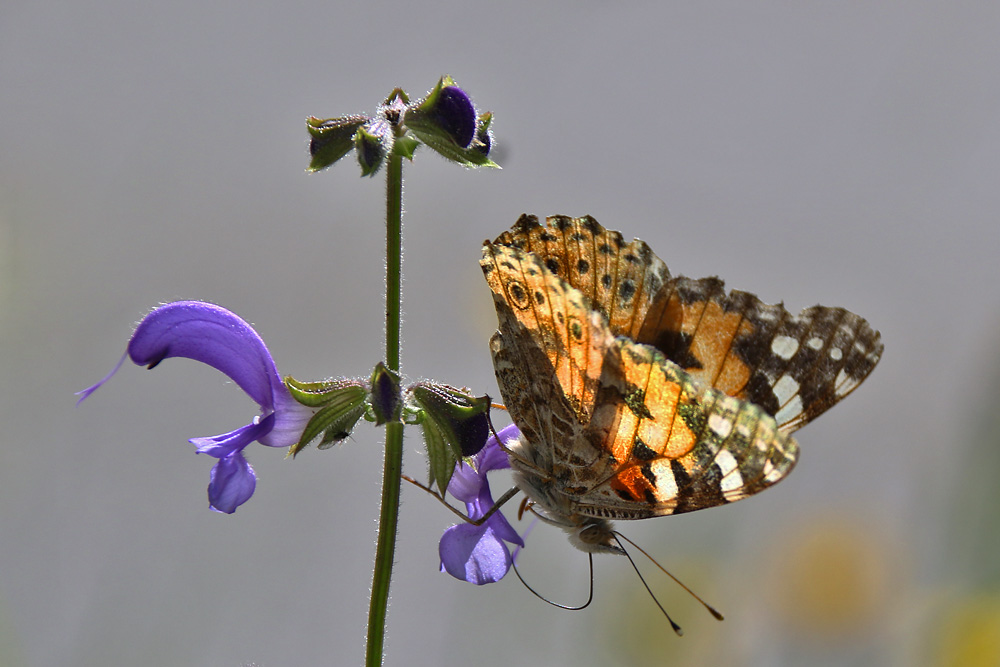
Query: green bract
[
  {"x": 342, "y": 403},
  {"x": 455, "y": 425},
  {"x": 372, "y": 142},
  {"x": 332, "y": 139}
]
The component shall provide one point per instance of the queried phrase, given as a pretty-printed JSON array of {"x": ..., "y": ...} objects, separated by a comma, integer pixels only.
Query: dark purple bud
[
  {"x": 386, "y": 398},
  {"x": 455, "y": 114}
]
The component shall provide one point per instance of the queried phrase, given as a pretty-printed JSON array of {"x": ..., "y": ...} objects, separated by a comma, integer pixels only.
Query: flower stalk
[{"x": 392, "y": 469}]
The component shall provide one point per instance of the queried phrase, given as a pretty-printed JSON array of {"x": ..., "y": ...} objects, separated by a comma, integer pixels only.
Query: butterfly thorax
[{"x": 586, "y": 533}]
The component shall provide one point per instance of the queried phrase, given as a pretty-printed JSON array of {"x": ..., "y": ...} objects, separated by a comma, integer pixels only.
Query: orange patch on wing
[
  {"x": 663, "y": 398},
  {"x": 631, "y": 481},
  {"x": 712, "y": 332}
]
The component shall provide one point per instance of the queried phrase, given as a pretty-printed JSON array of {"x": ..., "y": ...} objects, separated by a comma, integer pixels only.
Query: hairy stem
[{"x": 393, "y": 468}]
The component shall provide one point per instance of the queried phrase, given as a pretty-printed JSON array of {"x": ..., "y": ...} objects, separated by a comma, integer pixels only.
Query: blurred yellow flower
[{"x": 970, "y": 633}]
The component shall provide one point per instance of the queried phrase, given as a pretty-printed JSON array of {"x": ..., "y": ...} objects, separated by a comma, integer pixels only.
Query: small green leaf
[
  {"x": 440, "y": 457},
  {"x": 461, "y": 418},
  {"x": 332, "y": 139},
  {"x": 324, "y": 392},
  {"x": 405, "y": 146},
  {"x": 372, "y": 142},
  {"x": 334, "y": 423},
  {"x": 342, "y": 403}
]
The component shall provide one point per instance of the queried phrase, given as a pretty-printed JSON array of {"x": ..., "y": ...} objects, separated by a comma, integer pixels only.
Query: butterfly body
[{"x": 640, "y": 395}]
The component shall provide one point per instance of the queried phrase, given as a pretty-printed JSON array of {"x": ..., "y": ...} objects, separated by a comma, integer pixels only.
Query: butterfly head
[{"x": 593, "y": 535}]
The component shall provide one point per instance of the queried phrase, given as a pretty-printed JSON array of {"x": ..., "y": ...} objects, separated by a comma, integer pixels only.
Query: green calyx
[
  {"x": 434, "y": 127},
  {"x": 455, "y": 425},
  {"x": 331, "y": 139},
  {"x": 341, "y": 404}
]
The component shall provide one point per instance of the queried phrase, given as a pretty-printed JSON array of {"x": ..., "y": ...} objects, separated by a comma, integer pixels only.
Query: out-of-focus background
[{"x": 839, "y": 153}]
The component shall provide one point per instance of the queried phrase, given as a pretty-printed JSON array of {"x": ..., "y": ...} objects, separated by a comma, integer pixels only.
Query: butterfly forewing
[
  {"x": 618, "y": 279},
  {"x": 793, "y": 367},
  {"x": 553, "y": 316}
]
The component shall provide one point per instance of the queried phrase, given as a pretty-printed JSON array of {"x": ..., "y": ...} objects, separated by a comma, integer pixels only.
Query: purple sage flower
[
  {"x": 478, "y": 554},
  {"x": 214, "y": 336}
]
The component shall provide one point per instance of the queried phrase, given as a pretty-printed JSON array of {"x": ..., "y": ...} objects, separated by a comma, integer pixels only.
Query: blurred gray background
[{"x": 842, "y": 153}]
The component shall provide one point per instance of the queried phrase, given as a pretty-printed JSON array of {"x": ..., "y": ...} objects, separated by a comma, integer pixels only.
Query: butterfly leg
[{"x": 475, "y": 522}]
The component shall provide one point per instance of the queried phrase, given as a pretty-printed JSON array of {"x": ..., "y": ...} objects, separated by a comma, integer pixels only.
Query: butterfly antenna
[
  {"x": 586, "y": 604},
  {"x": 677, "y": 628},
  {"x": 712, "y": 610}
]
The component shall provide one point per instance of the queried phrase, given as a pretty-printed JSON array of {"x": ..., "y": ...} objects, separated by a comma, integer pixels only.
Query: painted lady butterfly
[{"x": 639, "y": 394}]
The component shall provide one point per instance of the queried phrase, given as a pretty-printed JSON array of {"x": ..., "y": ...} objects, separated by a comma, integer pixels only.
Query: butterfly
[{"x": 641, "y": 394}]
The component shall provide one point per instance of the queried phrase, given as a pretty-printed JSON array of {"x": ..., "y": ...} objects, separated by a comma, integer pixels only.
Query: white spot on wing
[
  {"x": 720, "y": 425},
  {"x": 784, "y": 347},
  {"x": 789, "y": 411},
  {"x": 836, "y": 354},
  {"x": 785, "y": 388},
  {"x": 666, "y": 485},
  {"x": 731, "y": 478},
  {"x": 815, "y": 343}
]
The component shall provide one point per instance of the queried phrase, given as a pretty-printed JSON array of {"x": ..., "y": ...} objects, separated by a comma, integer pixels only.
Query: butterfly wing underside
[
  {"x": 610, "y": 427},
  {"x": 795, "y": 367}
]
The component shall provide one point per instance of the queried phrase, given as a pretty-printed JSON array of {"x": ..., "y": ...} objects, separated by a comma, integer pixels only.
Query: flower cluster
[{"x": 445, "y": 121}]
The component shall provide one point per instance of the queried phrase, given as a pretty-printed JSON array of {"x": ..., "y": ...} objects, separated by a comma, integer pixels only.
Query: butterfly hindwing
[{"x": 675, "y": 446}]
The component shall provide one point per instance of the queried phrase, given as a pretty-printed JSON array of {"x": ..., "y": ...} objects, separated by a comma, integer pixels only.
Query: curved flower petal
[
  {"x": 503, "y": 530},
  {"x": 212, "y": 335},
  {"x": 492, "y": 456},
  {"x": 465, "y": 483},
  {"x": 290, "y": 419},
  {"x": 474, "y": 554},
  {"x": 221, "y": 446},
  {"x": 468, "y": 481},
  {"x": 231, "y": 483}
]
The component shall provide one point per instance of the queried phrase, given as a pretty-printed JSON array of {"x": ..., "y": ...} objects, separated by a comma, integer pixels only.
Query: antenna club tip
[{"x": 716, "y": 614}]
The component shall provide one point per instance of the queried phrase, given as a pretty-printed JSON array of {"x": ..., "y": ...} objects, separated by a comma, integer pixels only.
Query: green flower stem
[
  {"x": 393, "y": 468},
  {"x": 394, "y": 256}
]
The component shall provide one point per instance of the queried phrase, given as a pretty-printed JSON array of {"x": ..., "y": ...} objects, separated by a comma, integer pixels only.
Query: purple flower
[
  {"x": 478, "y": 554},
  {"x": 214, "y": 336}
]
